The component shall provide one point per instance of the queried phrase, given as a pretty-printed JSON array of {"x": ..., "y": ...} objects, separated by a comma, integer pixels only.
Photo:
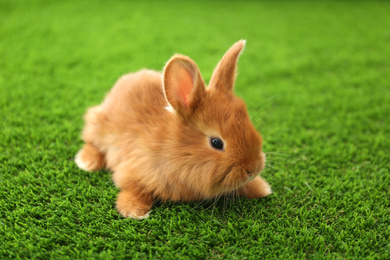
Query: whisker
[
  {"x": 283, "y": 152},
  {"x": 262, "y": 102},
  {"x": 263, "y": 111},
  {"x": 232, "y": 199},
  {"x": 205, "y": 201},
  {"x": 259, "y": 117},
  {"x": 233, "y": 196},
  {"x": 255, "y": 117},
  {"x": 279, "y": 158},
  {"x": 201, "y": 203},
  {"x": 216, "y": 199},
  {"x": 280, "y": 163},
  {"x": 214, "y": 204},
  {"x": 277, "y": 154},
  {"x": 273, "y": 168},
  {"x": 224, "y": 204}
]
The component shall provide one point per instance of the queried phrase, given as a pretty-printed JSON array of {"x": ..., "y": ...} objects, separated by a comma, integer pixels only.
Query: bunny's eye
[{"x": 216, "y": 143}]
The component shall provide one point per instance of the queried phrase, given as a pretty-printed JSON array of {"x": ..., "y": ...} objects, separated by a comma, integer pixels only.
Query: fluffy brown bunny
[{"x": 169, "y": 137}]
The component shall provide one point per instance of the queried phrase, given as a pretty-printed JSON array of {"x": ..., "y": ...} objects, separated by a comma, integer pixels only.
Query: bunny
[{"x": 167, "y": 136}]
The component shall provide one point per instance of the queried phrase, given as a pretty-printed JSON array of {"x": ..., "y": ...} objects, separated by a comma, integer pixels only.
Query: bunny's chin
[{"x": 236, "y": 177}]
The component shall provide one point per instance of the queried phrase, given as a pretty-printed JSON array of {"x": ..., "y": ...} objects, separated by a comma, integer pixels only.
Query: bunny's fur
[{"x": 153, "y": 131}]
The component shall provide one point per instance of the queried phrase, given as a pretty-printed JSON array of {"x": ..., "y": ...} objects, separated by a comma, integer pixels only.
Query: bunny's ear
[
  {"x": 224, "y": 74},
  {"x": 183, "y": 84}
]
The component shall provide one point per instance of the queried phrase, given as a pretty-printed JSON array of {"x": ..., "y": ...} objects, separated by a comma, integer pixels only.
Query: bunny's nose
[{"x": 256, "y": 166}]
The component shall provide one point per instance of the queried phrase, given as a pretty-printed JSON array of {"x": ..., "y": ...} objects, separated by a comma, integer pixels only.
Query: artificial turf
[{"x": 315, "y": 77}]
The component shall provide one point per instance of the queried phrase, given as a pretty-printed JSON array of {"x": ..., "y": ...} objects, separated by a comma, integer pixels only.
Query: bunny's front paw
[
  {"x": 256, "y": 188},
  {"x": 132, "y": 205},
  {"x": 134, "y": 214}
]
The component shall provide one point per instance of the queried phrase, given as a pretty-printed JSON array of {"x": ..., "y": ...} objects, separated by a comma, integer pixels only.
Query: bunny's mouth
[{"x": 233, "y": 178}]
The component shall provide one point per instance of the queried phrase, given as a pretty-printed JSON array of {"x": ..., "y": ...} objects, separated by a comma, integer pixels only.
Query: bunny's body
[{"x": 166, "y": 136}]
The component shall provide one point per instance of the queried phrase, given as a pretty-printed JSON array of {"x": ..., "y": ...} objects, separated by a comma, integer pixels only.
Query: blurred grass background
[{"x": 315, "y": 77}]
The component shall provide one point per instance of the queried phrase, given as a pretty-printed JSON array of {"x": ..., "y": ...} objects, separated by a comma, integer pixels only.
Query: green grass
[{"x": 321, "y": 70}]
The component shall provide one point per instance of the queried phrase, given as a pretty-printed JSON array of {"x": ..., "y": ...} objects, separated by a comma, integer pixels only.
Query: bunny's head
[{"x": 216, "y": 148}]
